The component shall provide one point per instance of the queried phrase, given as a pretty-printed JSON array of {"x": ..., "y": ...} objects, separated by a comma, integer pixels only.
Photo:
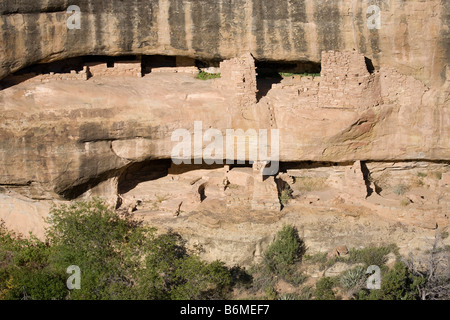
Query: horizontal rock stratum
[
  {"x": 414, "y": 36},
  {"x": 59, "y": 135}
]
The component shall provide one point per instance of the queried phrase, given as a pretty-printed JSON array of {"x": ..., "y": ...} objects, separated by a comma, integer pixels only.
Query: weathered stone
[{"x": 37, "y": 31}]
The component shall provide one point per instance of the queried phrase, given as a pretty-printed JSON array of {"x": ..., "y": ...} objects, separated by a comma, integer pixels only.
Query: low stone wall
[
  {"x": 191, "y": 70},
  {"x": 303, "y": 91},
  {"x": 121, "y": 68},
  {"x": 73, "y": 75}
]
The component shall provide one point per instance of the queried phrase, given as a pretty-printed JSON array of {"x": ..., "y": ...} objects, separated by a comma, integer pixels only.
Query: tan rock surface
[{"x": 413, "y": 36}]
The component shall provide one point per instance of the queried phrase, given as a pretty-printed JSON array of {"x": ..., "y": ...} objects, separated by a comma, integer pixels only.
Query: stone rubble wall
[
  {"x": 73, "y": 75},
  {"x": 400, "y": 89}
]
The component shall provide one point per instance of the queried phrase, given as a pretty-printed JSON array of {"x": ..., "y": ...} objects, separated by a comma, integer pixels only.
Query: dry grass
[
  {"x": 405, "y": 202},
  {"x": 436, "y": 175},
  {"x": 310, "y": 184}
]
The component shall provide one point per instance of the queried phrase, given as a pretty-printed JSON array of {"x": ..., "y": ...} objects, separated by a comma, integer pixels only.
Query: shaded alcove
[
  {"x": 272, "y": 72},
  {"x": 66, "y": 66}
]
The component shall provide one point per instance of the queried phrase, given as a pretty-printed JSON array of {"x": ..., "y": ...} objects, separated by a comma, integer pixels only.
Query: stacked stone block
[
  {"x": 344, "y": 80},
  {"x": 121, "y": 68},
  {"x": 190, "y": 70},
  {"x": 239, "y": 75}
]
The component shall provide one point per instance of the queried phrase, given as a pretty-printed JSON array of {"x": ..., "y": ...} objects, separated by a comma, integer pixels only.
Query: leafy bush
[
  {"x": 119, "y": 258},
  {"x": 285, "y": 251},
  {"x": 24, "y": 269},
  {"x": 370, "y": 255},
  {"x": 324, "y": 289},
  {"x": 207, "y": 76},
  {"x": 397, "y": 284},
  {"x": 280, "y": 261},
  {"x": 285, "y": 196}
]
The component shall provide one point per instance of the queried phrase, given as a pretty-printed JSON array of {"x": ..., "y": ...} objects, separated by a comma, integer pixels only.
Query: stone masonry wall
[
  {"x": 239, "y": 75},
  {"x": 192, "y": 70},
  {"x": 302, "y": 91},
  {"x": 121, "y": 68},
  {"x": 345, "y": 80}
]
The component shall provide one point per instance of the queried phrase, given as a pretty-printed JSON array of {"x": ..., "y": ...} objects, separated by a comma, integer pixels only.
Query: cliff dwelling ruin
[{"x": 362, "y": 115}]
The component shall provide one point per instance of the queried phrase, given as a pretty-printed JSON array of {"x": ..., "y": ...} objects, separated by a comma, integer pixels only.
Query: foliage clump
[
  {"x": 119, "y": 258},
  {"x": 207, "y": 76},
  {"x": 281, "y": 261}
]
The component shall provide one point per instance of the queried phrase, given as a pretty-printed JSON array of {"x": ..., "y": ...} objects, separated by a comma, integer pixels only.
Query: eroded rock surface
[{"x": 413, "y": 37}]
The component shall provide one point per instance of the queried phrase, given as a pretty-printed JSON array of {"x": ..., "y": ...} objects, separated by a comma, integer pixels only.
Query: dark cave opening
[
  {"x": 272, "y": 72},
  {"x": 66, "y": 66}
]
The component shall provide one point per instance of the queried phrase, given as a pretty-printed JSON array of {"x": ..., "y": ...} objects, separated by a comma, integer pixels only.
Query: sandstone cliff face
[
  {"x": 414, "y": 36},
  {"x": 64, "y": 137}
]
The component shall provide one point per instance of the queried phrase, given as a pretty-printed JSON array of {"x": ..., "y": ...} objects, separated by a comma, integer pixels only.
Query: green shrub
[
  {"x": 280, "y": 261},
  {"x": 285, "y": 251},
  {"x": 324, "y": 289},
  {"x": 194, "y": 279},
  {"x": 270, "y": 293},
  {"x": 370, "y": 255},
  {"x": 24, "y": 269},
  {"x": 119, "y": 258},
  {"x": 285, "y": 196},
  {"x": 207, "y": 76},
  {"x": 397, "y": 284}
]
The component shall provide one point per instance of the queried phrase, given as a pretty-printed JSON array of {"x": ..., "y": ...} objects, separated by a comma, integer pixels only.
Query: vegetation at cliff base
[{"x": 119, "y": 258}]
